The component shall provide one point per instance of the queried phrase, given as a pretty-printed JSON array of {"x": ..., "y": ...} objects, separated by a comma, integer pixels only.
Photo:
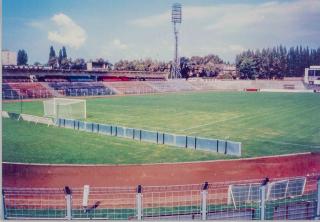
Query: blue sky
[{"x": 133, "y": 29}]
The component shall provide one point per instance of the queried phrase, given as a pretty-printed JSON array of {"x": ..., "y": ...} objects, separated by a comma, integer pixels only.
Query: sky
[{"x": 139, "y": 29}]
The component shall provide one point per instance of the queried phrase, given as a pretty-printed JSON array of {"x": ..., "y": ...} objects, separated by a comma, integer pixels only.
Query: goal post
[{"x": 65, "y": 108}]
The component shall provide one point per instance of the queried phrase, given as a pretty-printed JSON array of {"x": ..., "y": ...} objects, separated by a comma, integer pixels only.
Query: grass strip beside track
[{"x": 36, "y": 143}]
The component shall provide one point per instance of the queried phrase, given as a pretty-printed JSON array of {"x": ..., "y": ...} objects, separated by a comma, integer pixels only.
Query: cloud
[
  {"x": 113, "y": 49},
  {"x": 37, "y": 24},
  {"x": 230, "y": 16},
  {"x": 228, "y": 28},
  {"x": 152, "y": 21},
  {"x": 116, "y": 43},
  {"x": 67, "y": 32}
]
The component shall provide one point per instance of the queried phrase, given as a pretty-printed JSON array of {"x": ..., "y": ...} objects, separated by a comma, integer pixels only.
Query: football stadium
[{"x": 179, "y": 143}]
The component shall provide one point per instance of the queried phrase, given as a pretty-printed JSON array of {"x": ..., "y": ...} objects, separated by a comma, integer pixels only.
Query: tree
[
  {"x": 184, "y": 67},
  {"x": 60, "y": 57},
  {"x": 247, "y": 69},
  {"x": 52, "y": 53},
  {"x": 37, "y": 64},
  {"x": 53, "y": 61},
  {"x": 276, "y": 62},
  {"x": 66, "y": 64},
  {"x": 22, "y": 57},
  {"x": 78, "y": 64},
  {"x": 101, "y": 62},
  {"x": 64, "y": 52}
]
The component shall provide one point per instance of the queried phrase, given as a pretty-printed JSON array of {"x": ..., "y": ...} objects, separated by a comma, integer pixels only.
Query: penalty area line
[{"x": 207, "y": 124}]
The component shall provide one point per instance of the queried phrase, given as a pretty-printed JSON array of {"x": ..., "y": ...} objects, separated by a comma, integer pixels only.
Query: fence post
[
  {"x": 68, "y": 202},
  {"x": 262, "y": 192},
  {"x": 226, "y": 147},
  {"x": 3, "y": 212},
  {"x": 204, "y": 194},
  {"x": 195, "y": 142},
  {"x": 157, "y": 137},
  {"x": 318, "y": 200},
  {"x": 186, "y": 142},
  {"x": 162, "y": 138},
  {"x": 217, "y": 146},
  {"x": 139, "y": 202}
]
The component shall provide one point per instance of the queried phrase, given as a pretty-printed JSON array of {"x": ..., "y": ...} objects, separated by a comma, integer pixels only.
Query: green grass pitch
[{"x": 265, "y": 123}]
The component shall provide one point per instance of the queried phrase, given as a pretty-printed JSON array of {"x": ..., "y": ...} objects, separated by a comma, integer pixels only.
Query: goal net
[{"x": 65, "y": 108}]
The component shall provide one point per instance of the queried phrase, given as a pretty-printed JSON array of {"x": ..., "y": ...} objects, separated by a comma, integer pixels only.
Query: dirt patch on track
[{"x": 41, "y": 175}]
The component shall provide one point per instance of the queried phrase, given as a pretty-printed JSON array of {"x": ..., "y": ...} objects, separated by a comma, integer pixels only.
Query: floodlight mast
[{"x": 176, "y": 20}]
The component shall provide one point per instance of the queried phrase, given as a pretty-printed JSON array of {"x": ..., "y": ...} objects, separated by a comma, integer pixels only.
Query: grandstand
[
  {"x": 24, "y": 90},
  {"x": 85, "y": 86},
  {"x": 55, "y": 82},
  {"x": 81, "y": 88}
]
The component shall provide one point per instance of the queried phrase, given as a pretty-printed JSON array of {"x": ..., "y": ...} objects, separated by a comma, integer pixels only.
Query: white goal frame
[{"x": 52, "y": 108}]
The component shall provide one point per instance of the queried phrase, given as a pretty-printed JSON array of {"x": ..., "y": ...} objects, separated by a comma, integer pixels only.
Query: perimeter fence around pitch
[
  {"x": 191, "y": 142},
  {"x": 183, "y": 141},
  {"x": 281, "y": 198}
]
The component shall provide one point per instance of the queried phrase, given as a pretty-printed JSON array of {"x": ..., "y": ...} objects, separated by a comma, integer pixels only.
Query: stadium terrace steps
[
  {"x": 131, "y": 87},
  {"x": 8, "y": 92},
  {"x": 55, "y": 93},
  {"x": 25, "y": 90},
  {"x": 58, "y": 89},
  {"x": 111, "y": 87},
  {"x": 271, "y": 84},
  {"x": 239, "y": 85},
  {"x": 172, "y": 85},
  {"x": 81, "y": 88},
  {"x": 314, "y": 87},
  {"x": 212, "y": 84}
]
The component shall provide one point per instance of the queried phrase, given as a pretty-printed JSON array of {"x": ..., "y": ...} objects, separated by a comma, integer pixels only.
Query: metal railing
[{"x": 271, "y": 199}]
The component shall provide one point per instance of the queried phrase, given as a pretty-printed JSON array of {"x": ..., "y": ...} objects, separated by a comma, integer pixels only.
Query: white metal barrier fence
[
  {"x": 191, "y": 142},
  {"x": 281, "y": 198}
]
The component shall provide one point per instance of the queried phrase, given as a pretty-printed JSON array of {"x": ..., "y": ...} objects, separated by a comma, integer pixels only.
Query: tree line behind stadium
[{"x": 269, "y": 63}]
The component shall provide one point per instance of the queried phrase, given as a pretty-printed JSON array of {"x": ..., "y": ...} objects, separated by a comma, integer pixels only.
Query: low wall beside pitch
[{"x": 190, "y": 142}]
